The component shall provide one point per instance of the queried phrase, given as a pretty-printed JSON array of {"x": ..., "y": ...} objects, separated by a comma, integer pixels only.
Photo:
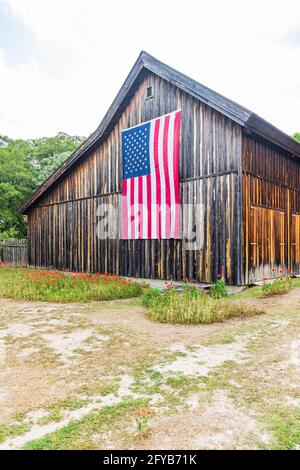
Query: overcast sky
[{"x": 63, "y": 61}]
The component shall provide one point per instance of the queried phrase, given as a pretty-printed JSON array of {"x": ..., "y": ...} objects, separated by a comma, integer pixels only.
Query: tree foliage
[
  {"x": 24, "y": 165},
  {"x": 296, "y": 136}
]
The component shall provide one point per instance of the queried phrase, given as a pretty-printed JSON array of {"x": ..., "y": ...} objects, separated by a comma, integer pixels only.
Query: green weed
[{"x": 193, "y": 306}]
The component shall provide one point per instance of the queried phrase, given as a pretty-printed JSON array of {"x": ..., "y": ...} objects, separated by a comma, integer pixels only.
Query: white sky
[{"x": 63, "y": 61}]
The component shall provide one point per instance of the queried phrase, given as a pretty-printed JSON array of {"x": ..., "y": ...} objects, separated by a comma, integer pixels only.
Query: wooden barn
[{"x": 245, "y": 172}]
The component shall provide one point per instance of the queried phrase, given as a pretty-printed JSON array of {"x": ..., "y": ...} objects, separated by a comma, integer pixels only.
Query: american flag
[{"x": 150, "y": 193}]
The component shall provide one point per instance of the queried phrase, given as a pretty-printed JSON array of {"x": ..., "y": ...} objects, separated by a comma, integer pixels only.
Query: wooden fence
[{"x": 13, "y": 251}]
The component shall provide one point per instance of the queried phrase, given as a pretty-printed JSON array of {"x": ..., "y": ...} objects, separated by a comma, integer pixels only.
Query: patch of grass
[
  {"x": 221, "y": 338},
  {"x": 285, "y": 428},
  {"x": 147, "y": 380},
  {"x": 107, "y": 389},
  {"x": 219, "y": 378},
  {"x": 171, "y": 356},
  {"x": 56, "y": 286},
  {"x": 191, "y": 347},
  {"x": 67, "y": 405},
  {"x": 177, "y": 381},
  {"x": 79, "y": 434},
  {"x": 295, "y": 282},
  {"x": 259, "y": 291},
  {"x": 173, "y": 388},
  {"x": 12, "y": 430},
  {"x": 277, "y": 287},
  {"x": 248, "y": 292},
  {"x": 263, "y": 394},
  {"x": 193, "y": 306},
  {"x": 52, "y": 417},
  {"x": 180, "y": 386}
]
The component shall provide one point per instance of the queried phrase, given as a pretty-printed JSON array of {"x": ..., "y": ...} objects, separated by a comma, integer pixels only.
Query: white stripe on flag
[
  {"x": 136, "y": 207},
  {"x": 129, "y": 208},
  {"x": 145, "y": 211},
  {"x": 171, "y": 174},
  {"x": 162, "y": 177},
  {"x": 153, "y": 182}
]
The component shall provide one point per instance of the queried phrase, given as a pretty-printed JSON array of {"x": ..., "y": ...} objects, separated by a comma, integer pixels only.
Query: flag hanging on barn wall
[{"x": 150, "y": 193}]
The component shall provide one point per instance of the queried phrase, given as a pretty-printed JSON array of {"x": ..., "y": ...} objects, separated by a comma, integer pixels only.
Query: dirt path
[{"x": 75, "y": 376}]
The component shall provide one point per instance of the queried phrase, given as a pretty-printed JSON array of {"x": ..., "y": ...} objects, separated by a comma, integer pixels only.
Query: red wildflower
[{"x": 143, "y": 411}]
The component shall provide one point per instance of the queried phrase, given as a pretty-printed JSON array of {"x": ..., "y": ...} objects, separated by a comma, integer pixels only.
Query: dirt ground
[{"x": 79, "y": 376}]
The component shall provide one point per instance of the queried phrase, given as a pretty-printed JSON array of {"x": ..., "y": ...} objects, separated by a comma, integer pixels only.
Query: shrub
[
  {"x": 218, "y": 290},
  {"x": 56, "y": 286},
  {"x": 277, "y": 286},
  {"x": 193, "y": 306},
  {"x": 150, "y": 296}
]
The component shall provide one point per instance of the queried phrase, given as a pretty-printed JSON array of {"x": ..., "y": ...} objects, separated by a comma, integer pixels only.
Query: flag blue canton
[{"x": 135, "y": 151}]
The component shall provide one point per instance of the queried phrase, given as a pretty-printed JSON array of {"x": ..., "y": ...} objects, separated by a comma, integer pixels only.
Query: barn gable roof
[{"x": 142, "y": 66}]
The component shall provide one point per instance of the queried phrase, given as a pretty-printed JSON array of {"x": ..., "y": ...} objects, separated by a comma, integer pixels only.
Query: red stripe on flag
[
  {"x": 132, "y": 208},
  {"x": 176, "y": 174},
  {"x": 167, "y": 178},
  {"x": 157, "y": 177},
  {"x": 140, "y": 208},
  {"x": 125, "y": 210},
  {"x": 149, "y": 206}
]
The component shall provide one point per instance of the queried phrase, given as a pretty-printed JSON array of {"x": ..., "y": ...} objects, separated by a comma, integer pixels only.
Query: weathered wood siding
[
  {"x": 62, "y": 228},
  {"x": 14, "y": 251},
  {"x": 271, "y": 209}
]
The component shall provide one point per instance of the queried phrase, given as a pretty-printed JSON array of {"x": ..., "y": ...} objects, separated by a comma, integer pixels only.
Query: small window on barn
[{"x": 149, "y": 95}]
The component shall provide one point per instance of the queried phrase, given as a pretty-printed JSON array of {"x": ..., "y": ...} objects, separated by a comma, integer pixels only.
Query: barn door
[
  {"x": 254, "y": 239},
  {"x": 295, "y": 244},
  {"x": 279, "y": 239},
  {"x": 267, "y": 242}
]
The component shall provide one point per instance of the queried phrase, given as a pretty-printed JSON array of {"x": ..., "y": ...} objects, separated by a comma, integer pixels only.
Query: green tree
[
  {"x": 17, "y": 181},
  {"x": 296, "y": 136},
  {"x": 47, "y": 154},
  {"x": 24, "y": 165}
]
